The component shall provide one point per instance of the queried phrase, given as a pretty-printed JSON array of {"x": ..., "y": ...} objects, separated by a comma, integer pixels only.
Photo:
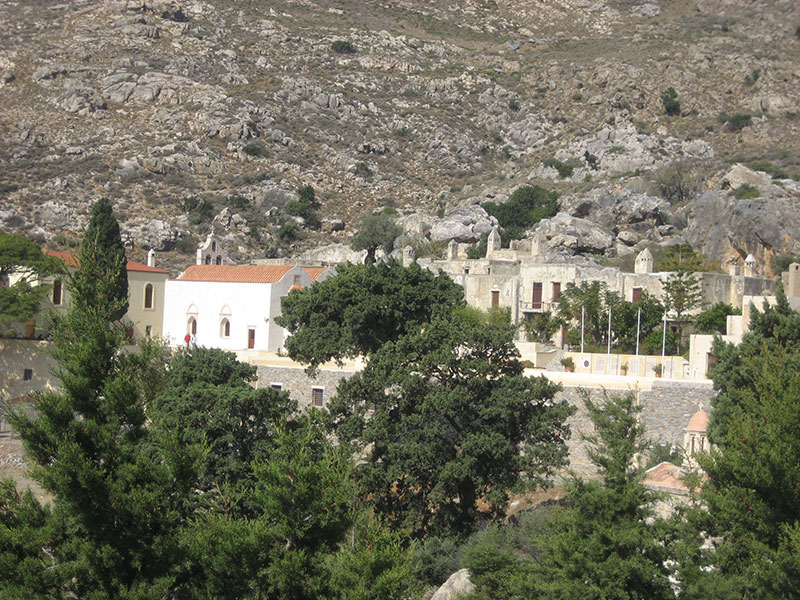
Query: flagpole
[
  {"x": 583, "y": 325},
  {"x": 608, "y": 351},
  {"x": 638, "y": 330},
  {"x": 663, "y": 342}
]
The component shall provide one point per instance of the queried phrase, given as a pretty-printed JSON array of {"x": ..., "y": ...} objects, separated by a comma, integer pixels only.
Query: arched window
[
  {"x": 191, "y": 326},
  {"x": 148, "y": 295},
  {"x": 225, "y": 328},
  {"x": 213, "y": 246},
  {"x": 219, "y": 260},
  {"x": 57, "y": 292},
  {"x": 208, "y": 259}
]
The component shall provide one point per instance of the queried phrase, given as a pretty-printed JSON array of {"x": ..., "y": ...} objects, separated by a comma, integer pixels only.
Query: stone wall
[
  {"x": 299, "y": 385},
  {"x": 667, "y": 405},
  {"x": 667, "y": 408}
]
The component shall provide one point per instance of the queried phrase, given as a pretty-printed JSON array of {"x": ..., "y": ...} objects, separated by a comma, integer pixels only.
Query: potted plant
[
  {"x": 568, "y": 364},
  {"x": 623, "y": 368},
  {"x": 657, "y": 369}
]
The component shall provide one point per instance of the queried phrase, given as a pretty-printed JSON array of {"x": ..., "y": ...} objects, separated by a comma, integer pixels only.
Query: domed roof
[{"x": 698, "y": 422}]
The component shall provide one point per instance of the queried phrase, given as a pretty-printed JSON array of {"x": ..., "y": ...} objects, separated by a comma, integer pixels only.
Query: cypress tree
[{"x": 102, "y": 279}]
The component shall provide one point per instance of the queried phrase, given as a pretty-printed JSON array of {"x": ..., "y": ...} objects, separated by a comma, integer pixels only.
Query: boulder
[
  {"x": 456, "y": 586},
  {"x": 740, "y": 175},
  {"x": 464, "y": 224},
  {"x": 576, "y": 235},
  {"x": 151, "y": 233}
]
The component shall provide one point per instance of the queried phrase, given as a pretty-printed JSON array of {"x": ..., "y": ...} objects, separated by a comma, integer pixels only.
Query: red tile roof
[
  {"x": 71, "y": 260},
  {"x": 314, "y": 272},
  {"x": 236, "y": 273}
]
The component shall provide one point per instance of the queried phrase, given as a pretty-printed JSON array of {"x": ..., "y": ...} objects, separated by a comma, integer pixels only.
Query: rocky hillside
[{"x": 190, "y": 114}]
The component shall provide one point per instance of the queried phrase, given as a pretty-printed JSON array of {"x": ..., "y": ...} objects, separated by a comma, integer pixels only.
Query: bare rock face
[
  {"x": 724, "y": 228},
  {"x": 153, "y": 101},
  {"x": 457, "y": 585}
]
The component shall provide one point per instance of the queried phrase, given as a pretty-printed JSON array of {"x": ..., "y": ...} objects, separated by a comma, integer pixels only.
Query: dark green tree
[
  {"x": 117, "y": 488},
  {"x": 682, "y": 257},
  {"x": 25, "y": 570},
  {"x": 773, "y": 330},
  {"x": 624, "y": 319},
  {"x": 362, "y": 308},
  {"x": 209, "y": 400},
  {"x": 526, "y": 206},
  {"x": 377, "y": 230},
  {"x": 752, "y": 493},
  {"x": 24, "y": 260},
  {"x": 102, "y": 279},
  {"x": 449, "y": 425},
  {"x": 540, "y": 327},
  {"x": 302, "y": 497},
  {"x": 682, "y": 293},
  {"x": 601, "y": 544},
  {"x": 592, "y": 300},
  {"x": 715, "y": 319}
]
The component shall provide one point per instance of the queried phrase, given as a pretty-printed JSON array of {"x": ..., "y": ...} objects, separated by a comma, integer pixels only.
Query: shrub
[
  {"x": 669, "y": 99},
  {"x": 780, "y": 262},
  {"x": 527, "y": 206},
  {"x": 478, "y": 250},
  {"x": 677, "y": 183},
  {"x": 186, "y": 244},
  {"x": 288, "y": 231},
  {"x": 565, "y": 169},
  {"x": 769, "y": 168},
  {"x": 738, "y": 121},
  {"x": 363, "y": 170},
  {"x": 343, "y": 47},
  {"x": 591, "y": 160},
  {"x": 199, "y": 210},
  {"x": 254, "y": 150},
  {"x": 746, "y": 192}
]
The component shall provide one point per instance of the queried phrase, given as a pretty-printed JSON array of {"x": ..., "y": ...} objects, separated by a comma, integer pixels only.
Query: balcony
[{"x": 538, "y": 307}]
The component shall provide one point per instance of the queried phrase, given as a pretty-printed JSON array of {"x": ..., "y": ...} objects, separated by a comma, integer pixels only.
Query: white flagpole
[
  {"x": 608, "y": 349},
  {"x": 583, "y": 325},
  {"x": 663, "y": 342},
  {"x": 638, "y": 330}
]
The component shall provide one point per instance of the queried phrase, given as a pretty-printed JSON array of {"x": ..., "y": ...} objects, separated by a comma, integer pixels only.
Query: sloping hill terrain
[{"x": 190, "y": 114}]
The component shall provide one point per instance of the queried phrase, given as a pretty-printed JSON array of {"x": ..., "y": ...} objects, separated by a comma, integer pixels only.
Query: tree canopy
[
  {"x": 752, "y": 493},
  {"x": 23, "y": 259},
  {"x": 376, "y": 230},
  {"x": 362, "y": 308},
  {"x": 600, "y": 545},
  {"x": 526, "y": 206},
  {"x": 448, "y": 425},
  {"x": 773, "y": 330},
  {"x": 102, "y": 278}
]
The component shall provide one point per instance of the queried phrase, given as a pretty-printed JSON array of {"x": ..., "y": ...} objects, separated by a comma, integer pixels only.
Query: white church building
[{"x": 231, "y": 307}]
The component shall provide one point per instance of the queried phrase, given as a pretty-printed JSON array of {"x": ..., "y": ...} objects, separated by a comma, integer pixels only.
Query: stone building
[{"x": 522, "y": 279}]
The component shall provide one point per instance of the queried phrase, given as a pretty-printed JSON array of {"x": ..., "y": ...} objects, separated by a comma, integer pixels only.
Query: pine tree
[
  {"x": 753, "y": 490},
  {"x": 600, "y": 545},
  {"x": 117, "y": 487},
  {"x": 102, "y": 278}
]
